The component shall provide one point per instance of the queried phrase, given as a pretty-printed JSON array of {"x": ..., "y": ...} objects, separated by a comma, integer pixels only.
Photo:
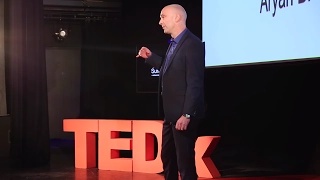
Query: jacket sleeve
[
  {"x": 154, "y": 60},
  {"x": 195, "y": 66}
]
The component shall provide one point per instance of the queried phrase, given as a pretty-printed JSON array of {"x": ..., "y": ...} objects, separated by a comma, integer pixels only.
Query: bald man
[{"x": 181, "y": 92}]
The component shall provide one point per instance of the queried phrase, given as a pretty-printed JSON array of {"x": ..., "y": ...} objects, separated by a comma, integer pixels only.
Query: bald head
[
  {"x": 178, "y": 10},
  {"x": 173, "y": 19}
]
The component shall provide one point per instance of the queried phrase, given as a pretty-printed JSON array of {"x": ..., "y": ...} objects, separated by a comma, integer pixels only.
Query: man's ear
[{"x": 177, "y": 17}]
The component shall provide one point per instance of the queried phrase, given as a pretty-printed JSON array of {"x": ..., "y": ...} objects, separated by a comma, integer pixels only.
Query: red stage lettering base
[{"x": 141, "y": 144}]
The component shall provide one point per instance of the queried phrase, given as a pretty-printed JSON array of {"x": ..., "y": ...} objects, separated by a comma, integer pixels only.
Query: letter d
[{"x": 301, "y": 1}]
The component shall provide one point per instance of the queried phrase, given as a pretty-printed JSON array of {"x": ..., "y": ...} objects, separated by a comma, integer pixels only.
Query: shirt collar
[{"x": 178, "y": 38}]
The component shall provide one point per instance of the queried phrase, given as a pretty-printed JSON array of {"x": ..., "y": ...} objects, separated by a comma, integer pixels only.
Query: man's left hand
[{"x": 182, "y": 123}]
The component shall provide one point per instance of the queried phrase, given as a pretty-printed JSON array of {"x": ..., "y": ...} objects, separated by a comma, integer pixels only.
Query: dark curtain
[{"x": 26, "y": 70}]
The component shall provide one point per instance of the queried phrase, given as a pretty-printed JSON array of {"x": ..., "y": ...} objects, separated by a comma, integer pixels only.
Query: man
[{"x": 181, "y": 87}]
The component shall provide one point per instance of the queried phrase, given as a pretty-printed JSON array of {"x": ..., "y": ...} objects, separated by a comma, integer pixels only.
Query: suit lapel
[
  {"x": 164, "y": 60},
  {"x": 177, "y": 49}
]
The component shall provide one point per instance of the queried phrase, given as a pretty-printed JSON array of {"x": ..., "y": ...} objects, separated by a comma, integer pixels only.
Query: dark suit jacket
[{"x": 183, "y": 81}]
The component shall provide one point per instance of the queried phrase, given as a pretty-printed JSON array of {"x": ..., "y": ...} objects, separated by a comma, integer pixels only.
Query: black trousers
[{"x": 177, "y": 152}]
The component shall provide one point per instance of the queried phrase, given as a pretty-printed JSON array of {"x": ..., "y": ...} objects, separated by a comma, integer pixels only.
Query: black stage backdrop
[
  {"x": 27, "y": 83},
  {"x": 266, "y": 114}
]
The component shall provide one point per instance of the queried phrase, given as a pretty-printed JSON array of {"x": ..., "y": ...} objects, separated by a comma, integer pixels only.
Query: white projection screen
[{"x": 245, "y": 32}]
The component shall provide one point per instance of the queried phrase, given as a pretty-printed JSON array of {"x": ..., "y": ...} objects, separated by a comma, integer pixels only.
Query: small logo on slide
[
  {"x": 275, "y": 4},
  {"x": 155, "y": 72}
]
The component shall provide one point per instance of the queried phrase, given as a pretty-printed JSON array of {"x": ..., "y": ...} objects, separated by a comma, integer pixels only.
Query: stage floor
[
  {"x": 62, "y": 168},
  {"x": 94, "y": 174}
]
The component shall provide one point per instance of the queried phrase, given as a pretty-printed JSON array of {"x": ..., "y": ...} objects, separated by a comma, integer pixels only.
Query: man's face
[{"x": 167, "y": 20}]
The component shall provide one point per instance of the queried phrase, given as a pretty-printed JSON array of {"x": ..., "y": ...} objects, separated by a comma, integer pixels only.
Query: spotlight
[{"x": 61, "y": 35}]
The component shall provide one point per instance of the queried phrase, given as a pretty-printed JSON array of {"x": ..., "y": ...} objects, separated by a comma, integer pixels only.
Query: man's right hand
[{"x": 144, "y": 53}]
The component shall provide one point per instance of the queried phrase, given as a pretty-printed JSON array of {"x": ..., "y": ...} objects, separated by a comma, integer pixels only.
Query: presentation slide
[{"x": 240, "y": 32}]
